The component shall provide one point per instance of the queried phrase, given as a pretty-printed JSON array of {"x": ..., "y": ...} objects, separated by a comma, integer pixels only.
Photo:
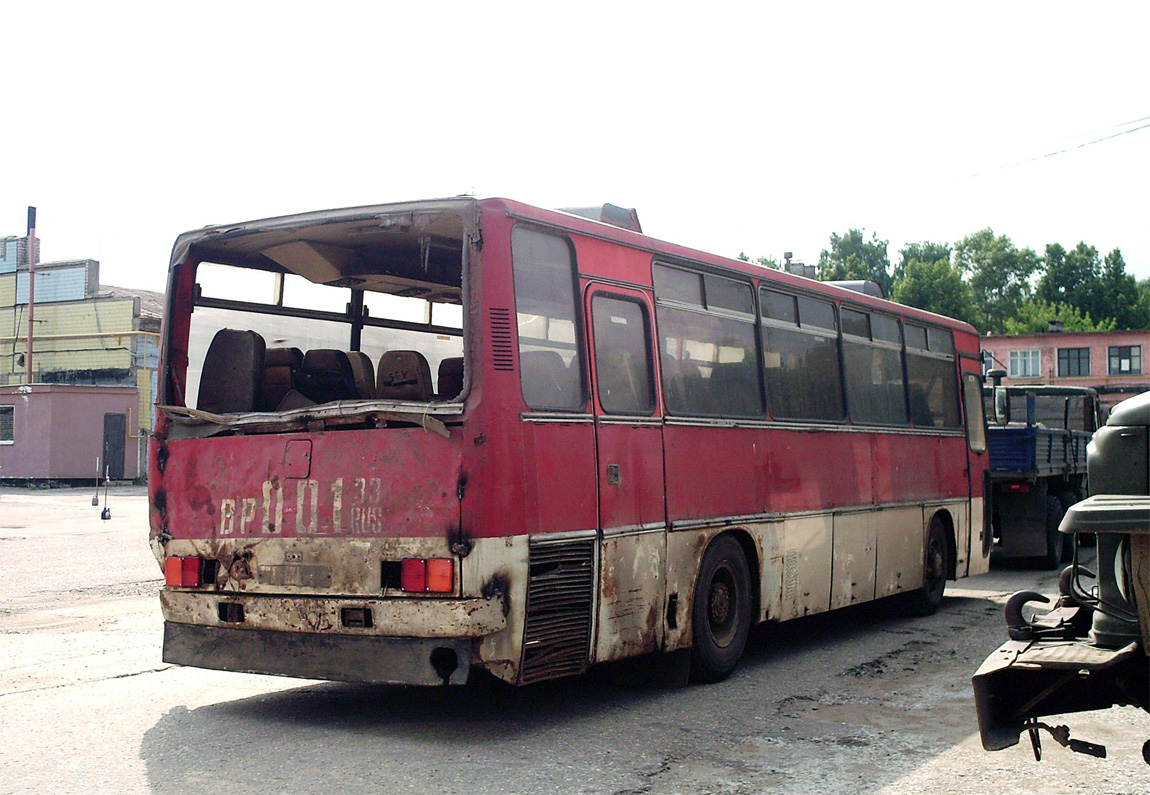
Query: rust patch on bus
[{"x": 498, "y": 586}]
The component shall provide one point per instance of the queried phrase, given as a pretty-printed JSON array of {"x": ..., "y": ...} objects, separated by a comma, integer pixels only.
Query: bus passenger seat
[
  {"x": 734, "y": 390},
  {"x": 363, "y": 373},
  {"x": 674, "y": 395},
  {"x": 547, "y": 383},
  {"x": 404, "y": 375},
  {"x": 281, "y": 371},
  {"x": 619, "y": 380},
  {"x": 326, "y": 376},
  {"x": 449, "y": 382},
  {"x": 233, "y": 372}
]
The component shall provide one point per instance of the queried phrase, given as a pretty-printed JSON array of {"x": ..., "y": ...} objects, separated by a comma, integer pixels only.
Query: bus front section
[{"x": 306, "y": 472}]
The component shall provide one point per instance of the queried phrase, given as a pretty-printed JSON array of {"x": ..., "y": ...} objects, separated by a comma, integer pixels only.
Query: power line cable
[
  {"x": 1087, "y": 143},
  {"x": 1078, "y": 146}
]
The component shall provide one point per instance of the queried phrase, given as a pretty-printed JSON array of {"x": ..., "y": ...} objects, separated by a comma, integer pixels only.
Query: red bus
[{"x": 404, "y": 442}]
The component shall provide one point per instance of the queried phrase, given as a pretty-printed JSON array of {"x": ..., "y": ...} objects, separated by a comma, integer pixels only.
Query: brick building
[
  {"x": 1113, "y": 362},
  {"x": 95, "y": 352}
]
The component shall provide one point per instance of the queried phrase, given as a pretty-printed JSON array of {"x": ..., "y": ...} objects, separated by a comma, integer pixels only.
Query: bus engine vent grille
[
  {"x": 501, "y": 351},
  {"x": 560, "y": 590}
]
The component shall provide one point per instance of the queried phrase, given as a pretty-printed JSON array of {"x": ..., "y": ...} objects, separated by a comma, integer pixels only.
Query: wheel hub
[{"x": 720, "y": 604}]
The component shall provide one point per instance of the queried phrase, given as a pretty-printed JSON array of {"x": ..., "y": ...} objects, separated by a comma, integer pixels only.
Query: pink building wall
[
  {"x": 58, "y": 431},
  {"x": 1112, "y": 388}
]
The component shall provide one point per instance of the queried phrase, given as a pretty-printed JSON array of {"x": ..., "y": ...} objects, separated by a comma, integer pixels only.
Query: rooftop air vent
[{"x": 609, "y": 214}]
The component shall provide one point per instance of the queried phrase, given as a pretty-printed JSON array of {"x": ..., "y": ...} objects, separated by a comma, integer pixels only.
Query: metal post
[{"x": 31, "y": 292}]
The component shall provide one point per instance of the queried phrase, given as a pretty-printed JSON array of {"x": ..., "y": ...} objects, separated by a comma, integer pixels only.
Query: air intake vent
[
  {"x": 557, "y": 635},
  {"x": 501, "y": 353}
]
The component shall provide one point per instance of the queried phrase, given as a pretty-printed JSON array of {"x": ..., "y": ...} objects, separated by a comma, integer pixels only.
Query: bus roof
[{"x": 228, "y": 235}]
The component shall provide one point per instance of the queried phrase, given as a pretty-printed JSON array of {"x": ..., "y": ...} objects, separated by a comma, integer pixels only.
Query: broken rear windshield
[{"x": 327, "y": 311}]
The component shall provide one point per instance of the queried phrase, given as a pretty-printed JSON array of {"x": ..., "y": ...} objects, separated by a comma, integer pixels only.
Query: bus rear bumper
[{"x": 308, "y": 655}]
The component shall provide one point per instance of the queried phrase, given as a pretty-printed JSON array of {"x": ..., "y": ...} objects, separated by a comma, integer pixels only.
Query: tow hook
[{"x": 1061, "y": 735}]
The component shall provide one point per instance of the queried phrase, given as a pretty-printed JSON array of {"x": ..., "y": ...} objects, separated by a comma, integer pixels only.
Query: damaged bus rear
[{"x": 306, "y": 472}]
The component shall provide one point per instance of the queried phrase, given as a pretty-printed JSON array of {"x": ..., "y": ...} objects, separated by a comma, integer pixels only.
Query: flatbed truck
[{"x": 1036, "y": 437}]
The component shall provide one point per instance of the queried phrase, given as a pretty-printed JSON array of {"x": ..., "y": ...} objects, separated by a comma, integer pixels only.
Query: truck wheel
[
  {"x": 1054, "y": 539},
  {"x": 720, "y": 611},
  {"x": 1065, "y": 500},
  {"x": 926, "y": 600}
]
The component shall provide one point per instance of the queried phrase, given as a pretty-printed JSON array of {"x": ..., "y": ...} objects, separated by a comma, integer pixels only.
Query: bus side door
[
  {"x": 629, "y": 448},
  {"x": 978, "y": 540}
]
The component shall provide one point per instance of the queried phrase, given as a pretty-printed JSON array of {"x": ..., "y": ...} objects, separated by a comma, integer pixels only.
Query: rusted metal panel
[
  {"x": 498, "y": 566},
  {"x": 560, "y": 605},
  {"x": 358, "y": 483},
  {"x": 900, "y": 538},
  {"x": 769, "y": 540},
  {"x": 960, "y": 517},
  {"x": 853, "y": 558},
  {"x": 979, "y": 563},
  {"x": 631, "y": 591},
  {"x": 806, "y": 565},
  {"x": 321, "y": 566},
  {"x": 344, "y": 658},
  {"x": 415, "y": 618},
  {"x": 684, "y": 552}
]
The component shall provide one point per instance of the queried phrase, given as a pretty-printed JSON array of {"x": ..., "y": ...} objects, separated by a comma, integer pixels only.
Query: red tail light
[
  {"x": 182, "y": 572},
  {"x": 413, "y": 575},
  {"x": 436, "y": 575},
  {"x": 439, "y": 575}
]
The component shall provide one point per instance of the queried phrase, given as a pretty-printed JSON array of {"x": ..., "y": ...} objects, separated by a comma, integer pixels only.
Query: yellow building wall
[
  {"x": 7, "y": 292},
  {"x": 144, "y": 389},
  {"x": 79, "y": 335}
]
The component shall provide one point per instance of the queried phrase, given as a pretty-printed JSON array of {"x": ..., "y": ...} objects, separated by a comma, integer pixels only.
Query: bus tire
[
  {"x": 927, "y": 599},
  {"x": 720, "y": 611},
  {"x": 1054, "y": 539}
]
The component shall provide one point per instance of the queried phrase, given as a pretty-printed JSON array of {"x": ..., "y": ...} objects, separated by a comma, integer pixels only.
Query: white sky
[{"x": 759, "y": 128}]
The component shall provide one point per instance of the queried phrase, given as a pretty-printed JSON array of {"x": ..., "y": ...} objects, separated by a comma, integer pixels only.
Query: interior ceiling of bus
[{"x": 409, "y": 254}]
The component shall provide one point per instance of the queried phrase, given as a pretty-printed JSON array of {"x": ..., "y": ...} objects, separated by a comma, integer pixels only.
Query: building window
[
  {"x": 1025, "y": 364},
  {"x": 7, "y": 424},
  {"x": 987, "y": 362},
  {"x": 1073, "y": 362},
  {"x": 1125, "y": 360}
]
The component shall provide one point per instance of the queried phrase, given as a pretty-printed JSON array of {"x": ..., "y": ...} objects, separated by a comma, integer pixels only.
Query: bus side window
[
  {"x": 547, "y": 382},
  {"x": 547, "y": 320},
  {"x": 622, "y": 361}
]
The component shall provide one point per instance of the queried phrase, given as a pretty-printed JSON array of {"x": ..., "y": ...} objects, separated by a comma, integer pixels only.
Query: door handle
[{"x": 613, "y": 478}]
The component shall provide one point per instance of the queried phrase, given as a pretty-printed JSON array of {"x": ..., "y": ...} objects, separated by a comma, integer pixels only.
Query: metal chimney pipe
[{"x": 31, "y": 292}]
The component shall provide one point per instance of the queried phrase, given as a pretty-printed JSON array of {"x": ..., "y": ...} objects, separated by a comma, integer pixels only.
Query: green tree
[
  {"x": 1070, "y": 277},
  {"x": 852, "y": 257},
  {"x": 923, "y": 252},
  {"x": 1035, "y": 314},
  {"x": 998, "y": 273},
  {"x": 935, "y": 286},
  {"x": 766, "y": 262},
  {"x": 1122, "y": 297}
]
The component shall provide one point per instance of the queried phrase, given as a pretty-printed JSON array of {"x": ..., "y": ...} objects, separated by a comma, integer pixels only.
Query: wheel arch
[
  {"x": 948, "y": 526},
  {"x": 754, "y": 564}
]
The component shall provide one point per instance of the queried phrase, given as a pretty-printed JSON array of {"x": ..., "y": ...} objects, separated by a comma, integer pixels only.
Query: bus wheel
[
  {"x": 721, "y": 611},
  {"x": 926, "y": 600}
]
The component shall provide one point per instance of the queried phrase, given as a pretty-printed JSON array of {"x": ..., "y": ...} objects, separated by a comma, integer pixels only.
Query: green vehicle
[{"x": 1090, "y": 651}]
